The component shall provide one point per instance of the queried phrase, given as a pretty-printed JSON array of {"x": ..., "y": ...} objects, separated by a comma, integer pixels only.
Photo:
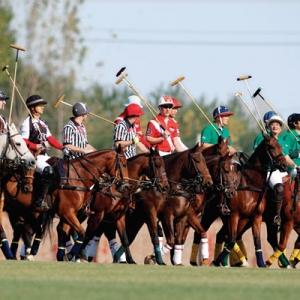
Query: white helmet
[
  {"x": 165, "y": 100},
  {"x": 133, "y": 100},
  {"x": 273, "y": 119}
]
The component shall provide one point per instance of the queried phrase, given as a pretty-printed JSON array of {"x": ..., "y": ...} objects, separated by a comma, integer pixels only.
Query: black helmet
[
  {"x": 35, "y": 100},
  {"x": 3, "y": 96},
  {"x": 293, "y": 118},
  {"x": 80, "y": 108}
]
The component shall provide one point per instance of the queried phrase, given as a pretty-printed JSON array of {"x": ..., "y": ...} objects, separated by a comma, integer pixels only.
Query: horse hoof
[
  {"x": 205, "y": 262},
  {"x": 67, "y": 257},
  {"x": 124, "y": 262},
  {"x": 29, "y": 257},
  {"x": 180, "y": 265},
  {"x": 149, "y": 260},
  {"x": 292, "y": 264},
  {"x": 193, "y": 263},
  {"x": 215, "y": 264}
]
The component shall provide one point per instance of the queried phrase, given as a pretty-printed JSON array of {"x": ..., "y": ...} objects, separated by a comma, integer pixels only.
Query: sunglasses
[{"x": 167, "y": 106}]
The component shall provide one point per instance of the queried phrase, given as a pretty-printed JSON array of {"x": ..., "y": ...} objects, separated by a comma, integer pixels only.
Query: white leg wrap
[
  {"x": 165, "y": 249},
  {"x": 114, "y": 246},
  {"x": 177, "y": 258},
  {"x": 93, "y": 247},
  {"x": 161, "y": 241},
  {"x": 204, "y": 248},
  {"x": 69, "y": 246},
  {"x": 123, "y": 258}
]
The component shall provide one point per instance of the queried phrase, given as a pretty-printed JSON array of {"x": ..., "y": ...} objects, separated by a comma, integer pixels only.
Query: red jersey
[{"x": 154, "y": 130}]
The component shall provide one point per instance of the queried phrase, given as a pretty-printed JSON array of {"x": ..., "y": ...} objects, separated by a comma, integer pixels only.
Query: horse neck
[
  {"x": 176, "y": 166},
  {"x": 138, "y": 166},
  {"x": 4, "y": 143}
]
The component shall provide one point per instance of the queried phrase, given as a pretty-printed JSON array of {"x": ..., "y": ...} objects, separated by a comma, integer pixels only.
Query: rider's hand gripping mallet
[
  {"x": 18, "y": 48},
  {"x": 178, "y": 81}
]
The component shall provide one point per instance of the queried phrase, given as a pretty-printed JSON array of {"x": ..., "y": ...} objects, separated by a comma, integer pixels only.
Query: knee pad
[
  {"x": 48, "y": 171},
  {"x": 278, "y": 192}
]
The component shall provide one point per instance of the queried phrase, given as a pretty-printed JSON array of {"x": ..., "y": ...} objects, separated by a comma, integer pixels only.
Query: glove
[
  {"x": 136, "y": 140},
  {"x": 67, "y": 153},
  {"x": 294, "y": 172}
]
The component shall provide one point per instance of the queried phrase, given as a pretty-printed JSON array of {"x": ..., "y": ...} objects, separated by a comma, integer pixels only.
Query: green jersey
[
  {"x": 210, "y": 136},
  {"x": 293, "y": 145},
  {"x": 281, "y": 142}
]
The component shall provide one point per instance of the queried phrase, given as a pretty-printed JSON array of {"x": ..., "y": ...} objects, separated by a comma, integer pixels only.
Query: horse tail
[{"x": 47, "y": 223}]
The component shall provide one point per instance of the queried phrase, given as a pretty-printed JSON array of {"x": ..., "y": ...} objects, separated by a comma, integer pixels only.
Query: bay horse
[
  {"x": 111, "y": 208},
  {"x": 71, "y": 191},
  {"x": 290, "y": 215},
  {"x": 249, "y": 203},
  {"x": 186, "y": 170},
  {"x": 13, "y": 153}
]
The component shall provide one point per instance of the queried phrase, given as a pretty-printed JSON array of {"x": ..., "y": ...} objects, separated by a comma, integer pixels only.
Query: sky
[{"x": 210, "y": 43}]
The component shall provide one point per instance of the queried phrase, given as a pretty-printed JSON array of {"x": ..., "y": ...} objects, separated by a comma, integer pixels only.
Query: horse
[
  {"x": 70, "y": 192},
  {"x": 111, "y": 208},
  {"x": 290, "y": 215},
  {"x": 187, "y": 169},
  {"x": 13, "y": 153},
  {"x": 249, "y": 203}
]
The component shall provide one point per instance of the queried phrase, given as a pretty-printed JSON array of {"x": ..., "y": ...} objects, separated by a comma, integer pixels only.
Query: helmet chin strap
[{"x": 220, "y": 119}]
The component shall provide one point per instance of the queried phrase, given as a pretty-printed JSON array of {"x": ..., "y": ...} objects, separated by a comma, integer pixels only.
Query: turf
[{"x": 22, "y": 280}]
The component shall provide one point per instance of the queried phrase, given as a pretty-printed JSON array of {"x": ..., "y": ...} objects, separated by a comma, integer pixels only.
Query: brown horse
[
  {"x": 112, "y": 208},
  {"x": 72, "y": 194},
  {"x": 249, "y": 202},
  {"x": 290, "y": 215},
  {"x": 188, "y": 175},
  {"x": 13, "y": 154}
]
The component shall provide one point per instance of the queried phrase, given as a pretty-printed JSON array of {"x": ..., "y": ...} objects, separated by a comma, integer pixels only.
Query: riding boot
[
  {"x": 278, "y": 197},
  {"x": 42, "y": 189}
]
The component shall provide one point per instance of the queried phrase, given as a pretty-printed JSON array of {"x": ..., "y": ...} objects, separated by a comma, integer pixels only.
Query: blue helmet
[
  {"x": 222, "y": 111},
  {"x": 268, "y": 115}
]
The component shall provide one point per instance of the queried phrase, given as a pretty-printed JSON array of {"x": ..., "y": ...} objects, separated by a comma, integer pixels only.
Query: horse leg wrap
[
  {"x": 93, "y": 248},
  {"x": 259, "y": 258},
  {"x": 294, "y": 254},
  {"x": 76, "y": 248},
  {"x": 165, "y": 249},
  {"x": 194, "y": 254},
  {"x": 242, "y": 247},
  {"x": 60, "y": 251},
  {"x": 5, "y": 249},
  {"x": 236, "y": 257},
  {"x": 14, "y": 248},
  {"x": 158, "y": 255},
  {"x": 273, "y": 257},
  {"x": 35, "y": 246},
  {"x": 283, "y": 261},
  {"x": 218, "y": 250},
  {"x": 204, "y": 248},
  {"x": 118, "y": 254},
  {"x": 177, "y": 258},
  {"x": 223, "y": 257}
]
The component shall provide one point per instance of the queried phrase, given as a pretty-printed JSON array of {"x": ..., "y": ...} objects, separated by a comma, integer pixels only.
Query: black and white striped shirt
[
  {"x": 125, "y": 131},
  {"x": 75, "y": 134}
]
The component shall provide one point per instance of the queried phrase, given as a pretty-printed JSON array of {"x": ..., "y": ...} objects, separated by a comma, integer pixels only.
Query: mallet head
[
  {"x": 5, "y": 67},
  {"x": 121, "y": 71},
  {"x": 121, "y": 78},
  {"x": 257, "y": 92},
  {"x": 177, "y": 80},
  {"x": 244, "y": 77},
  {"x": 59, "y": 100},
  {"x": 17, "y": 47},
  {"x": 238, "y": 94}
]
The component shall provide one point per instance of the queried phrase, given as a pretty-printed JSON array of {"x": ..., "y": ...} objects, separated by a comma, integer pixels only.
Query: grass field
[{"x": 22, "y": 280}]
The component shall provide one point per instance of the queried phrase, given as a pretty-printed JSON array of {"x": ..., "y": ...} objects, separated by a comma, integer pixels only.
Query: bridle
[{"x": 156, "y": 180}]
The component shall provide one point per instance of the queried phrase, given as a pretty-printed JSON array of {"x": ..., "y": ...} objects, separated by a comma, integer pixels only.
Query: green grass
[{"x": 22, "y": 280}]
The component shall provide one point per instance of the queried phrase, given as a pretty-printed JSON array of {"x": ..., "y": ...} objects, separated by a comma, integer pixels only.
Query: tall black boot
[
  {"x": 278, "y": 197},
  {"x": 42, "y": 189}
]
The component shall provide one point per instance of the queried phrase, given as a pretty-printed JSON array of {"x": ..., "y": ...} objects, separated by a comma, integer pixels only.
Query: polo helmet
[
  {"x": 222, "y": 111},
  {"x": 134, "y": 110},
  {"x": 133, "y": 100}
]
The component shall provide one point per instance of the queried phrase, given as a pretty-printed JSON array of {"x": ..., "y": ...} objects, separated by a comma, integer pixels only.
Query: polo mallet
[
  {"x": 14, "y": 81},
  {"x": 5, "y": 68},
  {"x": 257, "y": 92},
  {"x": 178, "y": 81},
  {"x": 244, "y": 78},
  {"x": 127, "y": 81},
  {"x": 240, "y": 94},
  {"x": 60, "y": 100}
]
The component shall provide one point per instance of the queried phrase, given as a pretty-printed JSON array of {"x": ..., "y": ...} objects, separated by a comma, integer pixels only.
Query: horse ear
[
  {"x": 152, "y": 151},
  {"x": 228, "y": 140},
  {"x": 119, "y": 149},
  {"x": 266, "y": 137},
  {"x": 195, "y": 147}
]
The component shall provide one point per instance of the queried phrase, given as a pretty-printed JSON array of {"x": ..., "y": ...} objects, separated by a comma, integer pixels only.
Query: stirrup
[{"x": 277, "y": 220}]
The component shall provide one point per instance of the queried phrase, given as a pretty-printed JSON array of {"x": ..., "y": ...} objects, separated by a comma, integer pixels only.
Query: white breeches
[
  {"x": 276, "y": 177},
  {"x": 41, "y": 162}
]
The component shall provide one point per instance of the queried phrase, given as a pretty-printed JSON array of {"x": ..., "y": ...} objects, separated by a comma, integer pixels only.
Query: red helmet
[
  {"x": 176, "y": 104},
  {"x": 133, "y": 110}
]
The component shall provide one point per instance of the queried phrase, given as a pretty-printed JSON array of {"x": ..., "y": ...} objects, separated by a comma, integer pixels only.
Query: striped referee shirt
[
  {"x": 125, "y": 131},
  {"x": 75, "y": 134}
]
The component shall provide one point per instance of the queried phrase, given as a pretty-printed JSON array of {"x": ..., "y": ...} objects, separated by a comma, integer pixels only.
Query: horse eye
[{"x": 18, "y": 144}]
